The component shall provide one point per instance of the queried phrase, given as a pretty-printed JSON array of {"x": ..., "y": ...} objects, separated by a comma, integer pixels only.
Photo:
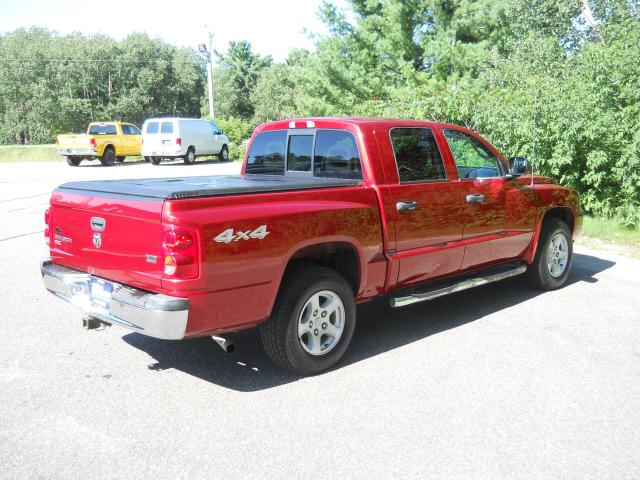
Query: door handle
[
  {"x": 406, "y": 206},
  {"x": 475, "y": 198}
]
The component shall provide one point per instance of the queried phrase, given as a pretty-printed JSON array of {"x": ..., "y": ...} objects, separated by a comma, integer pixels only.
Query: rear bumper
[
  {"x": 155, "y": 315},
  {"x": 77, "y": 152},
  {"x": 162, "y": 152}
]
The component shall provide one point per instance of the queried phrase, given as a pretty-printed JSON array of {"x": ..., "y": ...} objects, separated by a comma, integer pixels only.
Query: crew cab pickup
[
  {"x": 110, "y": 142},
  {"x": 326, "y": 213}
]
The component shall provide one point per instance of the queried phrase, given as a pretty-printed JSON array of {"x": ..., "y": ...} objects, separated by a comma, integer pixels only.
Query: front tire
[
  {"x": 313, "y": 321},
  {"x": 73, "y": 161},
  {"x": 224, "y": 154},
  {"x": 108, "y": 158},
  {"x": 554, "y": 256}
]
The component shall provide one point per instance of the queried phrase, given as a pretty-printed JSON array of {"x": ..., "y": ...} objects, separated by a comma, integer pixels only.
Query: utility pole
[{"x": 207, "y": 54}]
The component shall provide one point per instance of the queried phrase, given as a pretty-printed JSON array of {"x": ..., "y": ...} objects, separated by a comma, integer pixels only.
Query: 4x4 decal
[{"x": 229, "y": 235}]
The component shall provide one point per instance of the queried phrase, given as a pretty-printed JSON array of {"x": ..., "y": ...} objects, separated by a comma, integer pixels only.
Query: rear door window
[
  {"x": 336, "y": 155},
  {"x": 267, "y": 153},
  {"x": 417, "y": 155},
  {"x": 166, "y": 127},
  {"x": 152, "y": 127}
]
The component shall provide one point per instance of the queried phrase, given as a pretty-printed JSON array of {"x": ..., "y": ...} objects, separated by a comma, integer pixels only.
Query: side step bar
[{"x": 441, "y": 290}]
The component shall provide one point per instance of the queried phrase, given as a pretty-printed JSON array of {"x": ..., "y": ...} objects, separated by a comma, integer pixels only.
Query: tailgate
[
  {"x": 115, "y": 237},
  {"x": 73, "y": 141}
]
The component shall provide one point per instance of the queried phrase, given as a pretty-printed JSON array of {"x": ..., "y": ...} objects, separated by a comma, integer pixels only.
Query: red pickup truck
[{"x": 326, "y": 213}]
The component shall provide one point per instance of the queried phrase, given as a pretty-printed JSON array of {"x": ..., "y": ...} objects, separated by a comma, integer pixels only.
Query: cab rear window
[
  {"x": 321, "y": 153},
  {"x": 102, "y": 130}
]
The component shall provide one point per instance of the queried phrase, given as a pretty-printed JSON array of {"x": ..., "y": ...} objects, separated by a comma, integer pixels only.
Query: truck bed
[{"x": 160, "y": 189}]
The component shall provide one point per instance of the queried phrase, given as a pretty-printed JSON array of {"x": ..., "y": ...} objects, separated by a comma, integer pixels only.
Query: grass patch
[
  {"x": 29, "y": 153},
  {"x": 610, "y": 230}
]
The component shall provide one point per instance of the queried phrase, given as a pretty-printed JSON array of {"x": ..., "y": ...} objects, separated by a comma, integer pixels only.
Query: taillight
[
  {"x": 180, "y": 252},
  {"x": 47, "y": 227},
  {"x": 92, "y": 142},
  {"x": 178, "y": 141}
]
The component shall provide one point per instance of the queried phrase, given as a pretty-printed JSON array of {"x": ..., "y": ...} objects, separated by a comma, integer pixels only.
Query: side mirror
[{"x": 518, "y": 166}]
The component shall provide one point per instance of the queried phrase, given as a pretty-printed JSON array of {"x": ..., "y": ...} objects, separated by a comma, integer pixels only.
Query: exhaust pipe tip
[{"x": 226, "y": 345}]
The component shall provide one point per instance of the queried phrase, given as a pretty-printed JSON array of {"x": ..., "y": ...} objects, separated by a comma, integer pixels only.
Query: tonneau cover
[{"x": 209, "y": 186}]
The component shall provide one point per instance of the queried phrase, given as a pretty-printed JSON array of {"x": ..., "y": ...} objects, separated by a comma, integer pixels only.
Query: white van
[{"x": 186, "y": 138}]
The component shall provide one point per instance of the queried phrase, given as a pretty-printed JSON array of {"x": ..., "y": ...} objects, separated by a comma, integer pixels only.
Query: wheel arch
[
  {"x": 341, "y": 256},
  {"x": 560, "y": 212}
]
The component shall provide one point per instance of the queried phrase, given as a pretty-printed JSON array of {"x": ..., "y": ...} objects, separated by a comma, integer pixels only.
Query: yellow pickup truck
[{"x": 110, "y": 142}]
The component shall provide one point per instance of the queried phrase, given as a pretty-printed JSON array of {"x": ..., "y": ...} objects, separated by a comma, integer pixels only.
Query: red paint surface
[{"x": 237, "y": 282}]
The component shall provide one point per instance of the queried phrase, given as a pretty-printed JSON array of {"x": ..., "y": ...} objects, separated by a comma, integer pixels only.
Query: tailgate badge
[
  {"x": 98, "y": 224},
  {"x": 97, "y": 240},
  {"x": 151, "y": 258}
]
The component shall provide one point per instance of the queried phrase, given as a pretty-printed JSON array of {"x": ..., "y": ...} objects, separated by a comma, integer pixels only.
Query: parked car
[
  {"x": 327, "y": 213},
  {"x": 110, "y": 142},
  {"x": 186, "y": 138}
]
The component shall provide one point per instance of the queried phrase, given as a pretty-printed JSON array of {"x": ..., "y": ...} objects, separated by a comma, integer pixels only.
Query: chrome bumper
[
  {"x": 79, "y": 152},
  {"x": 155, "y": 315}
]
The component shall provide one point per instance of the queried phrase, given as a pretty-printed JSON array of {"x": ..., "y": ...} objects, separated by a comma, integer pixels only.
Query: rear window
[
  {"x": 300, "y": 153},
  {"x": 267, "y": 153},
  {"x": 325, "y": 153},
  {"x": 102, "y": 129},
  {"x": 152, "y": 127},
  {"x": 166, "y": 127}
]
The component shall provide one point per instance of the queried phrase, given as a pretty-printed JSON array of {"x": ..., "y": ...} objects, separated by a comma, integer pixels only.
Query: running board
[{"x": 441, "y": 290}]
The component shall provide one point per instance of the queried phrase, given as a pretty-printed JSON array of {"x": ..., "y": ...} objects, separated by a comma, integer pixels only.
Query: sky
[{"x": 273, "y": 27}]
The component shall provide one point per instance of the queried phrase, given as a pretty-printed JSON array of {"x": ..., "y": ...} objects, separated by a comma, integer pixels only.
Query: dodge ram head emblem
[{"x": 97, "y": 240}]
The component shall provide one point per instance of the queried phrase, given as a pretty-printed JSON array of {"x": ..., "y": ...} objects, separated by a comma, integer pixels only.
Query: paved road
[{"x": 496, "y": 382}]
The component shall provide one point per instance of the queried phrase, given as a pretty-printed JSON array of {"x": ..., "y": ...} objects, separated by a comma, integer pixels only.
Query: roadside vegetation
[
  {"x": 29, "y": 153},
  {"x": 610, "y": 231},
  {"x": 558, "y": 82}
]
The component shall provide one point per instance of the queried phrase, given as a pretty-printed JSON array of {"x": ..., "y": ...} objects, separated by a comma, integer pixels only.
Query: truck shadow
[{"x": 380, "y": 329}]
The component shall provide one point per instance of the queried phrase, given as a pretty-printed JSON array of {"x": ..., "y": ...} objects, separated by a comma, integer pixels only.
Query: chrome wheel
[
  {"x": 321, "y": 322},
  {"x": 558, "y": 255}
]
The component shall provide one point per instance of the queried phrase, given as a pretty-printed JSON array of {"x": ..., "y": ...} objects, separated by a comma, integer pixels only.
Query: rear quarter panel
[{"x": 239, "y": 280}]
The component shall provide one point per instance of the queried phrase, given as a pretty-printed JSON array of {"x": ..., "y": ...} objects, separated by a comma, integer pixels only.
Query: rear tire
[
  {"x": 190, "y": 157},
  {"x": 312, "y": 322},
  {"x": 73, "y": 161},
  {"x": 147, "y": 159},
  {"x": 154, "y": 160},
  {"x": 224, "y": 154},
  {"x": 120, "y": 159},
  {"x": 108, "y": 158},
  {"x": 554, "y": 255}
]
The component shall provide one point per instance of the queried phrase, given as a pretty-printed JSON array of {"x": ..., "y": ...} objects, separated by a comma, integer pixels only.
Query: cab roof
[{"x": 342, "y": 122}]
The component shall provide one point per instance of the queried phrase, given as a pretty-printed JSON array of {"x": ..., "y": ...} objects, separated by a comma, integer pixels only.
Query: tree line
[
  {"x": 554, "y": 81},
  {"x": 51, "y": 84}
]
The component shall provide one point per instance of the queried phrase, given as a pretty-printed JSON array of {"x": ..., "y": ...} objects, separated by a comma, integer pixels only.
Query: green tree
[{"x": 236, "y": 77}]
